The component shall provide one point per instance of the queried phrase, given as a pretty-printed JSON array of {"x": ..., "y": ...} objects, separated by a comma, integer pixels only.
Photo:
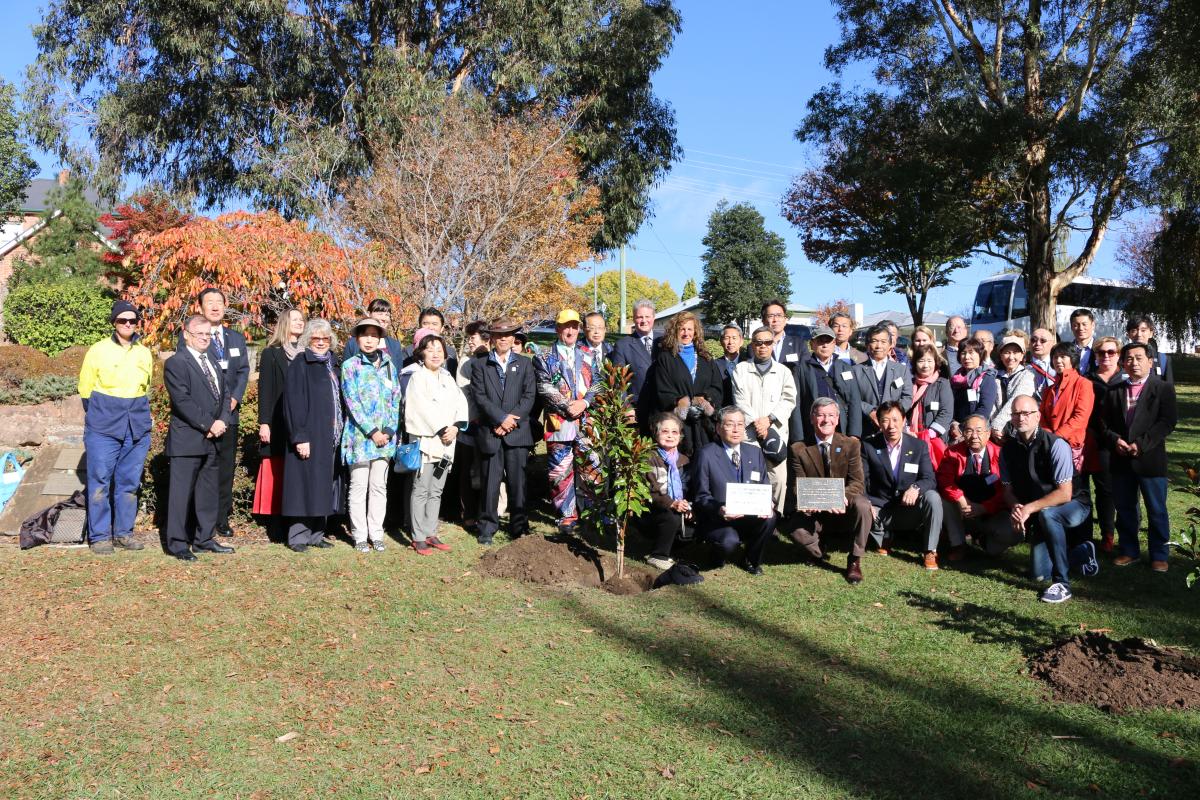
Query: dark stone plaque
[{"x": 820, "y": 494}]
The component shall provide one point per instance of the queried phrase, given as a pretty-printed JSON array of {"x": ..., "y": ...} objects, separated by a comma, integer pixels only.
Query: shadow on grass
[
  {"x": 877, "y": 732},
  {"x": 987, "y": 625}
]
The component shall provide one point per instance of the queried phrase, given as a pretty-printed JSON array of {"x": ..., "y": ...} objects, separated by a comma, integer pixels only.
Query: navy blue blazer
[
  {"x": 236, "y": 366},
  {"x": 915, "y": 469},
  {"x": 494, "y": 403},
  {"x": 629, "y": 350},
  {"x": 193, "y": 407},
  {"x": 845, "y": 393},
  {"x": 712, "y": 471}
]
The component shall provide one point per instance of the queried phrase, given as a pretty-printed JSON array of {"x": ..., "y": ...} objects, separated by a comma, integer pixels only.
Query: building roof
[
  {"x": 903, "y": 319},
  {"x": 38, "y": 191}
]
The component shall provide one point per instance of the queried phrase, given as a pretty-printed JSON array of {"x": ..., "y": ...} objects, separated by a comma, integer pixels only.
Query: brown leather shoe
[
  {"x": 1158, "y": 566},
  {"x": 1106, "y": 543},
  {"x": 931, "y": 561},
  {"x": 853, "y": 572},
  {"x": 1124, "y": 561},
  {"x": 885, "y": 546}
]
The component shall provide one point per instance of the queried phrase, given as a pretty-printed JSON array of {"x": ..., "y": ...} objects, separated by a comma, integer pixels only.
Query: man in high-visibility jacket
[{"x": 115, "y": 386}]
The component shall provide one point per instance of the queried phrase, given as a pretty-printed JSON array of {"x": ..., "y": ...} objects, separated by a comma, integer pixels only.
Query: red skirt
[{"x": 268, "y": 489}]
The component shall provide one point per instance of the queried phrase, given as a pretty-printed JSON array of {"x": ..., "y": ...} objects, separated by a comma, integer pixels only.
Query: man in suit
[
  {"x": 718, "y": 464},
  {"x": 228, "y": 349},
  {"x": 833, "y": 456},
  {"x": 379, "y": 309},
  {"x": 731, "y": 346},
  {"x": 1137, "y": 417},
  {"x": 503, "y": 387},
  {"x": 1048, "y": 498},
  {"x": 826, "y": 375},
  {"x": 842, "y": 325},
  {"x": 637, "y": 349},
  {"x": 1141, "y": 329},
  {"x": 898, "y": 355},
  {"x": 1083, "y": 326},
  {"x": 1041, "y": 342},
  {"x": 900, "y": 483},
  {"x": 957, "y": 332},
  {"x": 200, "y": 417},
  {"x": 972, "y": 494},
  {"x": 594, "y": 331},
  {"x": 788, "y": 350},
  {"x": 880, "y": 380}
]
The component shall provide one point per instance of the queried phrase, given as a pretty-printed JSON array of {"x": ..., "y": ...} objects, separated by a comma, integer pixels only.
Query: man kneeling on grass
[{"x": 1047, "y": 498}]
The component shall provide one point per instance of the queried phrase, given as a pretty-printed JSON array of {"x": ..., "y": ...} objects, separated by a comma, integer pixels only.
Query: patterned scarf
[
  {"x": 336, "y": 394},
  {"x": 674, "y": 479}
]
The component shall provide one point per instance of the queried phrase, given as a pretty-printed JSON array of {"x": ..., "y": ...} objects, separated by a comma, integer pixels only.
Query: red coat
[
  {"x": 954, "y": 464},
  {"x": 1067, "y": 407}
]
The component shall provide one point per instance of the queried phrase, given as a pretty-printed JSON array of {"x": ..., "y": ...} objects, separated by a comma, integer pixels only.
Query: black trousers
[
  {"x": 227, "y": 447},
  {"x": 507, "y": 463},
  {"x": 191, "y": 494},
  {"x": 664, "y": 526},
  {"x": 754, "y": 531}
]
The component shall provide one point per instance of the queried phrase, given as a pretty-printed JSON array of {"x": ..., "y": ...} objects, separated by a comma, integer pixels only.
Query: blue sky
[{"x": 738, "y": 86}]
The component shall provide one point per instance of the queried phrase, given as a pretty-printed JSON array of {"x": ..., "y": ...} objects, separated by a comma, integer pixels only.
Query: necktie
[
  {"x": 978, "y": 459},
  {"x": 825, "y": 457},
  {"x": 217, "y": 345},
  {"x": 208, "y": 375},
  {"x": 649, "y": 342},
  {"x": 736, "y": 457}
]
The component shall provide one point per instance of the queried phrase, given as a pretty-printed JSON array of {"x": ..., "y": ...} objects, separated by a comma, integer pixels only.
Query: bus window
[
  {"x": 1020, "y": 301},
  {"x": 991, "y": 302}
]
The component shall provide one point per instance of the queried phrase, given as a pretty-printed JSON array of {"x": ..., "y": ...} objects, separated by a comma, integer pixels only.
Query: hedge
[{"x": 54, "y": 316}]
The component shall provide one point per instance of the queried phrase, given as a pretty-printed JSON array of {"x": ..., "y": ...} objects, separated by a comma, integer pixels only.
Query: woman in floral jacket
[{"x": 371, "y": 388}]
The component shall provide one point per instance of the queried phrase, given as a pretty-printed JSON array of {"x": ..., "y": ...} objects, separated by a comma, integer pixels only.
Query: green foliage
[
  {"x": 54, "y": 316},
  {"x": 689, "y": 290},
  {"x": 40, "y": 389},
  {"x": 16, "y": 167},
  {"x": 1165, "y": 262},
  {"x": 199, "y": 95},
  {"x": 637, "y": 286},
  {"x": 623, "y": 454},
  {"x": 743, "y": 265},
  {"x": 1188, "y": 542},
  {"x": 67, "y": 247}
]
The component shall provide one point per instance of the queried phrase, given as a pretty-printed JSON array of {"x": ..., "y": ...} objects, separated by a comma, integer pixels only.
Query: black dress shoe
[
  {"x": 186, "y": 555},
  {"x": 322, "y": 544},
  {"x": 214, "y": 547},
  {"x": 223, "y": 532},
  {"x": 753, "y": 569},
  {"x": 298, "y": 548}
]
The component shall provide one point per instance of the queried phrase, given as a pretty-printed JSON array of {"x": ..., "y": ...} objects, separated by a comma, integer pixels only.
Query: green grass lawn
[{"x": 402, "y": 676}]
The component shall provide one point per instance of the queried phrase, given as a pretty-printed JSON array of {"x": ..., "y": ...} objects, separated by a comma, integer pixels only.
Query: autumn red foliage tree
[
  {"x": 825, "y": 311},
  {"x": 149, "y": 212},
  {"x": 262, "y": 262}
]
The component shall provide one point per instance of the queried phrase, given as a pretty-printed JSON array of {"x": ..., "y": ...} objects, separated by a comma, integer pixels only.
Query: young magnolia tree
[{"x": 623, "y": 455}]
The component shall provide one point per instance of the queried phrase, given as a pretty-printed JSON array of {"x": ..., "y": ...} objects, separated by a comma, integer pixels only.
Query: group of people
[{"x": 949, "y": 442}]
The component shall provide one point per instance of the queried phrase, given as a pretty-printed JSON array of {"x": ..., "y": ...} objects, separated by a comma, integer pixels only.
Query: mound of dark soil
[
  {"x": 1118, "y": 676},
  {"x": 563, "y": 561}
]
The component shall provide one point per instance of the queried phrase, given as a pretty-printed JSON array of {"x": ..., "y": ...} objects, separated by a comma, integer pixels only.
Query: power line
[
  {"x": 739, "y": 158},
  {"x": 684, "y": 183},
  {"x": 733, "y": 169}
]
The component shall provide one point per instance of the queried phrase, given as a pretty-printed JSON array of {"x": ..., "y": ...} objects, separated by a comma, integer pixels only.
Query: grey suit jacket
[{"x": 897, "y": 386}]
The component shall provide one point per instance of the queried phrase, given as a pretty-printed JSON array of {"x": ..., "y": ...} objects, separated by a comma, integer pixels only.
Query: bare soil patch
[
  {"x": 1118, "y": 675},
  {"x": 563, "y": 561}
]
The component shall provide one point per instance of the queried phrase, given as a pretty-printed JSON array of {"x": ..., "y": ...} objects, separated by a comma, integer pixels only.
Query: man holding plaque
[
  {"x": 834, "y": 456},
  {"x": 726, "y": 471},
  {"x": 900, "y": 484}
]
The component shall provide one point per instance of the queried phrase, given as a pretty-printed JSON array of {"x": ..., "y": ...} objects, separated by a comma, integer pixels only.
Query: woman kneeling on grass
[
  {"x": 434, "y": 410},
  {"x": 669, "y": 510},
  {"x": 371, "y": 389}
]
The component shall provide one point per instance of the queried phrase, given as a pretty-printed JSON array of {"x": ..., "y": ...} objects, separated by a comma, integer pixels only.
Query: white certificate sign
[{"x": 748, "y": 500}]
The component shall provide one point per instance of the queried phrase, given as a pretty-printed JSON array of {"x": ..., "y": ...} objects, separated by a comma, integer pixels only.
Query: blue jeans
[
  {"x": 1050, "y": 552},
  {"x": 1125, "y": 489},
  {"x": 114, "y": 473}
]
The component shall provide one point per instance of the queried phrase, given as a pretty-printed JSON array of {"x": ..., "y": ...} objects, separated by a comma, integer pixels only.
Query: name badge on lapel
[
  {"x": 910, "y": 468},
  {"x": 224, "y": 363},
  {"x": 972, "y": 396},
  {"x": 847, "y": 375},
  {"x": 898, "y": 383},
  {"x": 234, "y": 352},
  {"x": 791, "y": 357},
  {"x": 935, "y": 405},
  {"x": 754, "y": 476}
]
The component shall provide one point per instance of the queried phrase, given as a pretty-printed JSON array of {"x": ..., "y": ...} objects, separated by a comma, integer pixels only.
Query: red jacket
[
  {"x": 954, "y": 464},
  {"x": 1067, "y": 407}
]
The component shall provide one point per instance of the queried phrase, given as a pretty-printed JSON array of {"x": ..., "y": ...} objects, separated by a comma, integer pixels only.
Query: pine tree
[
  {"x": 743, "y": 265},
  {"x": 689, "y": 290},
  {"x": 68, "y": 246}
]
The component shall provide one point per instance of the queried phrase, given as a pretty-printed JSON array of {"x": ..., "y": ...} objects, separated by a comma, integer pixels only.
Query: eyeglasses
[
  {"x": 774, "y": 316},
  {"x": 126, "y": 320},
  {"x": 764, "y": 342},
  {"x": 200, "y": 335},
  {"x": 1024, "y": 413},
  {"x": 1039, "y": 340},
  {"x": 1109, "y": 352},
  {"x": 319, "y": 339}
]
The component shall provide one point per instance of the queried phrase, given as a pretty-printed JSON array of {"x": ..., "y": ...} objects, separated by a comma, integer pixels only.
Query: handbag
[
  {"x": 9, "y": 481},
  {"x": 407, "y": 458}
]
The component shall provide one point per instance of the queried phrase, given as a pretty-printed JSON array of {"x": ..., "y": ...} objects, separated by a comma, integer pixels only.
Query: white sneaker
[
  {"x": 1057, "y": 593},
  {"x": 380, "y": 547},
  {"x": 663, "y": 564}
]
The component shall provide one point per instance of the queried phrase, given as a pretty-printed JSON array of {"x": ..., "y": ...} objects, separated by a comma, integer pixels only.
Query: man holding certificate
[
  {"x": 733, "y": 493},
  {"x": 834, "y": 459}
]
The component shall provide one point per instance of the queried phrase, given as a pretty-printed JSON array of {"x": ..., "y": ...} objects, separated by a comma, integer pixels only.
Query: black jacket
[
  {"x": 631, "y": 351},
  {"x": 672, "y": 380},
  {"x": 493, "y": 404},
  {"x": 915, "y": 469},
  {"x": 1154, "y": 418},
  {"x": 310, "y": 486},
  {"x": 272, "y": 372},
  {"x": 193, "y": 407}
]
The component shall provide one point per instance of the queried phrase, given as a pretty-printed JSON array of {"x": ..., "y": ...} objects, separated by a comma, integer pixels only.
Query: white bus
[{"x": 1001, "y": 302}]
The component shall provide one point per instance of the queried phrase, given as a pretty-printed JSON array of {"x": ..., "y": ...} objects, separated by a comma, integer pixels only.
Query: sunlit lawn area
[{"x": 391, "y": 675}]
